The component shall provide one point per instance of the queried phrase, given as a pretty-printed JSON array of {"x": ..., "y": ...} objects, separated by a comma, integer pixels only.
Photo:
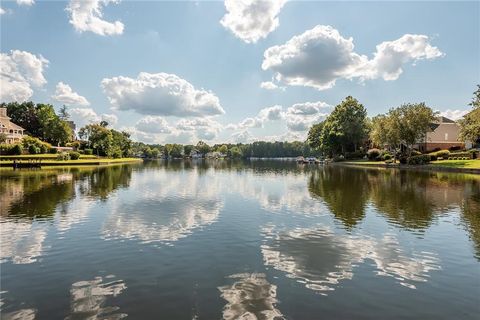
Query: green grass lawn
[
  {"x": 471, "y": 164},
  {"x": 95, "y": 161},
  {"x": 45, "y": 156}
]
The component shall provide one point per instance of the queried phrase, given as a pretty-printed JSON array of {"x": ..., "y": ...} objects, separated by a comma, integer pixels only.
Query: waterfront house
[
  {"x": 443, "y": 134},
  {"x": 14, "y": 133}
]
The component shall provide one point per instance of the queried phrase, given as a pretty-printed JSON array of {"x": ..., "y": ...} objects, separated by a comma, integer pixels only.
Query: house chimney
[{"x": 3, "y": 112}]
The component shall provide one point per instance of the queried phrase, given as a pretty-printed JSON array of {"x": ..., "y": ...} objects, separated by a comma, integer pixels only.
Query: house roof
[{"x": 9, "y": 124}]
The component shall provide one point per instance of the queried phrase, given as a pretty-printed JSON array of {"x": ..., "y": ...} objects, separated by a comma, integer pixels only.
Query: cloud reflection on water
[
  {"x": 165, "y": 208},
  {"x": 250, "y": 297},
  {"x": 88, "y": 299},
  {"x": 321, "y": 259}
]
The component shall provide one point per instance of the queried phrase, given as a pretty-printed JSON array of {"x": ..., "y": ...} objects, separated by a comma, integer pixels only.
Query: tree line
[{"x": 348, "y": 132}]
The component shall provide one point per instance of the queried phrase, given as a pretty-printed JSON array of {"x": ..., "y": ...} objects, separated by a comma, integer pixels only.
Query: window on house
[{"x": 446, "y": 136}]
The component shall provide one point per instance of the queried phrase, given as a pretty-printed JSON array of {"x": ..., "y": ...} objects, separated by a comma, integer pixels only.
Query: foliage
[
  {"x": 405, "y": 125},
  {"x": 456, "y": 155},
  {"x": 187, "y": 149},
  {"x": 106, "y": 142},
  {"x": 52, "y": 150},
  {"x": 39, "y": 120},
  {"x": 10, "y": 149},
  {"x": 234, "y": 152},
  {"x": 470, "y": 124},
  {"x": 373, "y": 154},
  {"x": 74, "y": 155},
  {"x": 222, "y": 149},
  {"x": 88, "y": 151},
  {"x": 355, "y": 155},
  {"x": 202, "y": 147},
  {"x": 345, "y": 129},
  {"x": 63, "y": 156},
  {"x": 418, "y": 159},
  {"x": 440, "y": 154},
  {"x": 3, "y": 137},
  {"x": 175, "y": 150}
]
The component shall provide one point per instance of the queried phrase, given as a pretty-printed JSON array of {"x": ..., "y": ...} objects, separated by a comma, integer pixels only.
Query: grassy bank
[
  {"x": 472, "y": 166},
  {"x": 45, "y": 156},
  {"x": 79, "y": 162}
]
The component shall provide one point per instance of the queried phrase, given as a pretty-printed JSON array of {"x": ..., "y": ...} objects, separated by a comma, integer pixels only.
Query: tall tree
[{"x": 470, "y": 124}]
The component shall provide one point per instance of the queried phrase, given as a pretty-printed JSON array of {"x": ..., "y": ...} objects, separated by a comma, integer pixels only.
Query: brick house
[{"x": 443, "y": 135}]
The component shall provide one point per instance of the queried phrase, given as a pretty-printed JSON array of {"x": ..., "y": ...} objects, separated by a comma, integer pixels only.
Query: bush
[
  {"x": 444, "y": 154},
  {"x": 403, "y": 159},
  {"x": 467, "y": 155},
  {"x": 433, "y": 157},
  {"x": 117, "y": 154},
  {"x": 74, "y": 155},
  {"x": 16, "y": 149},
  {"x": 88, "y": 151},
  {"x": 354, "y": 155},
  {"x": 52, "y": 150},
  {"x": 419, "y": 159},
  {"x": 63, "y": 156},
  {"x": 32, "y": 149},
  {"x": 11, "y": 149},
  {"x": 386, "y": 156},
  {"x": 455, "y": 148},
  {"x": 416, "y": 153},
  {"x": 43, "y": 149},
  {"x": 373, "y": 154}
]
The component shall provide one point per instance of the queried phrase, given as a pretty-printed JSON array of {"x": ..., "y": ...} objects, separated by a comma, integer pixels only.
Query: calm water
[{"x": 263, "y": 239}]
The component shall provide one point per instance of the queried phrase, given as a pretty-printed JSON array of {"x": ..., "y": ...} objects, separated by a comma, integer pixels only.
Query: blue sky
[{"x": 218, "y": 65}]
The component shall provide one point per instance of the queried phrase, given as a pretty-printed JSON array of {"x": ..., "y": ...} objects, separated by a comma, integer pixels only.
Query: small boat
[{"x": 311, "y": 160}]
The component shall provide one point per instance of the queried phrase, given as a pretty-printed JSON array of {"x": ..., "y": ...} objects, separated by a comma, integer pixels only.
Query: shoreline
[
  {"x": 427, "y": 167},
  {"x": 75, "y": 163}
]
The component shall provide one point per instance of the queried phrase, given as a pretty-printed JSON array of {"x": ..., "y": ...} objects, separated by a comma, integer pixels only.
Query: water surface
[{"x": 229, "y": 240}]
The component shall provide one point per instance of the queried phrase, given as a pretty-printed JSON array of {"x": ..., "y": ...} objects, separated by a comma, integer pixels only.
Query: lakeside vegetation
[{"x": 347, "y": 133}]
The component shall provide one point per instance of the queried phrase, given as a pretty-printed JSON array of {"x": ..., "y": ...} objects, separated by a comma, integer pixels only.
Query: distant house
[
  {"x": 13, "y": 132},
  {"x": 195, "y": 154},
  {"x": 443, "y": 134},
  {"x": 215, "y": 155}
]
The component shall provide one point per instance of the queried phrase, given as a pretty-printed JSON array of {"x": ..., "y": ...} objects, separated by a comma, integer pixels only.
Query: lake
[{"x": 251, "y": 240}]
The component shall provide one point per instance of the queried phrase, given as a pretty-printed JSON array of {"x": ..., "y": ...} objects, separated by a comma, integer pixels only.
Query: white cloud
[
  {"x": 203, "y": 128},
  {"x": 2, "y": 11},
  {"x": 270, "y": 85},
  {"x": 453, "y": 114},
  {"x": 161, "y": 94},
  {"x": 266, "y": 114},
  {"x": 110, "y": 118},
  {"x": 320, "y": 56},
  {"x": 153, "y": 124},
  {"x": 25, "y": 2},
  {"x": 84, "y": 116},
  {"x": 86, "y": 15},
  {"x": 301, "y": 116},
  {"x": 252, "y": 20},
  {"x": 65, "y": 95},
  {"x": 242, "y": 137},
  {"x": 19, "y": 71}
]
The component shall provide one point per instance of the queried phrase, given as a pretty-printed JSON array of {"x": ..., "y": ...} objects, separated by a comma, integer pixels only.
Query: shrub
[
  {"x": 16, "y": 149},
  {"x": 88, "y": 152},
  {"x": 52, "y": 150},
  {"x": 74, "y": 155},
  {"x": 43, "y": 148},
  {"x": 419, "y": 159},
  {"x": 403, "y": 159},
  {"x": 11, "y": 149},
  {"x": 63, "y": 156},
  {"x": 373, "y": 154},
  {"x": 386, "y": 156},
  {"x": 117, "y": 154},
  {"x": 455, "y": 148},
  {"x": 467, "y": 155},
  {"x": 442, "y": 154},
  {"x": 32, "y": 149},
  {"x": 354, "y": 155},
  {"x": 416, "y": 153},
  {"x": 433, "y": 157}
]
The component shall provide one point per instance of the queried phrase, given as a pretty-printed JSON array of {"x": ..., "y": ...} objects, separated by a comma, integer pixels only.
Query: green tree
[
  {"x": 314, "y": 136},
  {"x": 202, "y": 147},
  {"x": 99, "y": 138},
  {"x": 187, "y": 149},
  {"x": 223, "y": 149},
  {"x": 63, "y": 114},
  {"x": 3, "y": 137},
  {"x": 470, "y": 124}
]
